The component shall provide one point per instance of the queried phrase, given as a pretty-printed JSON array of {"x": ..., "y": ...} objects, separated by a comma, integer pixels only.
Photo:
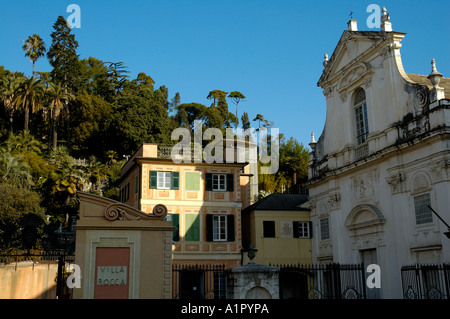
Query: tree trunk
[
  {"x": 55, "y": 133},
  {"x": 27, "y": 119}
]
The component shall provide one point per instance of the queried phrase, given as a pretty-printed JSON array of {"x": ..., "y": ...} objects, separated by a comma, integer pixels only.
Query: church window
[
  {"x": 360, "y": 107},
  {"x": 324, "y": 229},
  {"x": 423, "y": 213}
]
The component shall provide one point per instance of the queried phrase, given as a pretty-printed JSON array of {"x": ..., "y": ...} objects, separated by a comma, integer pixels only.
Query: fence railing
[
  {"x": 426, "y": 281},
  {"x": 361, "y": 151},
  {"x": 199, "y": 282},
  {"x": 322, "y": 281}
]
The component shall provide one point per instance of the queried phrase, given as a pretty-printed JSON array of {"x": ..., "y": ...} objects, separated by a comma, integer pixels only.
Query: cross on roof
[{"x": 351, "y": 14}]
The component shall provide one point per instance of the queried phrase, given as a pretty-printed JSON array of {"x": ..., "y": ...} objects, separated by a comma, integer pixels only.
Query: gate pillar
[
  {"x": 254, "y": 281},
  {"x": 123, "y": 253}
]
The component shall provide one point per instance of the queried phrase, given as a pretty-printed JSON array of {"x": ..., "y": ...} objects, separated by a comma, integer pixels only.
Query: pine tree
[{"x": 63, "y": 57}]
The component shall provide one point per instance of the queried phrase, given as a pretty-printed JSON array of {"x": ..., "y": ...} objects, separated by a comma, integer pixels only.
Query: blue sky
[{"x": 271, "y": 51}]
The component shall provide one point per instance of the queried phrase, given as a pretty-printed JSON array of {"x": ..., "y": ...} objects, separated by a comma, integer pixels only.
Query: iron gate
[
  {"x": 430, "y": 281},
  {"x": 199, "y": 281},
  {"x": 323, "y": 281}
]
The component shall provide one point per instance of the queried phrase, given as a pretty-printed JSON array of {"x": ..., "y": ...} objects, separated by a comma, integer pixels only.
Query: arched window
[{"x": 360, "y": 106}]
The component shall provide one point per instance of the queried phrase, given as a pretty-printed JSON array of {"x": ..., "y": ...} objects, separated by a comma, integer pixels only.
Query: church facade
[{"x": 382, "y": 160}]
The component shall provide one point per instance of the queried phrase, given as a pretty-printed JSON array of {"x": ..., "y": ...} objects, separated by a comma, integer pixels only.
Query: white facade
[{"x": 383, "y": 156}]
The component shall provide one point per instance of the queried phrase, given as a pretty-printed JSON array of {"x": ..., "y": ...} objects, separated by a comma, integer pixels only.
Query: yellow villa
[{"x": 204, "y": 202}]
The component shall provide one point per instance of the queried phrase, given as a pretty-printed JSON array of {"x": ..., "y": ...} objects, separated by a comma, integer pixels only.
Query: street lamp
[{"x": 448, "y": 227}]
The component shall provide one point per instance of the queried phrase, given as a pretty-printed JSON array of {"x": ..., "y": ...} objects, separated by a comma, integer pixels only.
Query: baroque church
[{"x": 379, "y": 174}]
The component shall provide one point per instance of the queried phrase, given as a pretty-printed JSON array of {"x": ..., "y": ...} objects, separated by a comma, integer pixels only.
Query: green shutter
[
  {"x": 192, "y": 223},
  {"x": 208, "y": 181},
  {"x": 175, "y": 180},
  {"x": 230, "y": 228},
  {"x": 295, "y": 232},
  {"x": 176, "y": 224},
  {"x": 153, "y": 179},
  {"x": 230, "y": 183},
  {"x": 209, "y": 227},
  {"x": 192, "y": 181}
]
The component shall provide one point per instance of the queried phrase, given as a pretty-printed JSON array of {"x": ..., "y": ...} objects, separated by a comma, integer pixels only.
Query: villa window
[
  {"x": 268, "y": 229},
  {"x": 164, "y": 180},
  {"x": 302, "y": 229},
  {"x": 220, "y": 227},
  {"x": 219, "y": 182}
]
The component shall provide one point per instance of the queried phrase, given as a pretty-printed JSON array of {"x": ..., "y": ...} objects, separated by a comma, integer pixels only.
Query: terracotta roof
[
  {"x": 279, "y": 202},
  {"x": 423, "y": 80}
]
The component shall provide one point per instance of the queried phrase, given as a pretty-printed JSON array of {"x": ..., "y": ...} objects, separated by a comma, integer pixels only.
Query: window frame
[
  {"x": 219, "y": 227},
  {"x": 165, "y": 180},
  {"x": 322, "y": 226},
  {"x": 425, "y": 210},
  {"x": 302, "y": 229},
  {"x": 267, "y": 231},
  {"x": 361, "y": 118},
  {"x": 221, "y": 178}
]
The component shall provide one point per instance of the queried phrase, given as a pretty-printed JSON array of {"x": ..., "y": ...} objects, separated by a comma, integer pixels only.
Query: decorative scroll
[
  {"x": 160, "y": 210},
  {"x": 113, "y": 212},
  {"x": 119, "y": 211}
]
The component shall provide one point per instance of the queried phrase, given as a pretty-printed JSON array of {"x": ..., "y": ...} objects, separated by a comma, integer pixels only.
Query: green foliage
[
  {"x": 103, "y": 115},
  {"x": 63, "y": 57},
  {"x": 89, "y": 112},
  {"x": 21, "y": 217},
  {"x": 245, "y": 121},
  {"x": 137, "y": 120},
  {"x": 28, "y": 97},
  {"x": 34, "y": 48},
  {"x": 293, "y": 169}
]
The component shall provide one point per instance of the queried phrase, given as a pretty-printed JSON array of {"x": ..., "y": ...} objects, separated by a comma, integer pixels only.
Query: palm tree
[
  {"x": 7, "y": 93},
  {"x": 28, "y": 97},
  {"x": 14, "y": 171},
  {"x": 34, "y": 47},
  {"x": 97, "y": 175},
  {"x": 58, "y": 99},
  {"x": 22, "y": 143}
]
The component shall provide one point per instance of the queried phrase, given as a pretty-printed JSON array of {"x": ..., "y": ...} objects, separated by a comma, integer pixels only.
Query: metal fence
[
  {"x": 431, "y": 281},
  {"x": 322, "y": 281},
  {"x": 199, "y": 282}
]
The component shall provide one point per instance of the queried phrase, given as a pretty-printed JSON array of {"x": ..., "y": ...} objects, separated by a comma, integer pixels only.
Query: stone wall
[
  {"x": 254, "y": 281},
  {"x": 28, "y": 280}
]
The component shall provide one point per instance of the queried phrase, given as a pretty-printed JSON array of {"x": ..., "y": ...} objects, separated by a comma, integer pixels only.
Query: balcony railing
[{"x": 361, "y": 151}]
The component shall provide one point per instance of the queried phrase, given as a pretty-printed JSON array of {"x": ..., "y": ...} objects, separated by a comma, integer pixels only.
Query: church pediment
[{"x": 347, "y": 58}]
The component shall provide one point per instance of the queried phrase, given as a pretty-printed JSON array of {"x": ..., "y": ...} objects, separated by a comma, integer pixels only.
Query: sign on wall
[{"x": 112, "y": 265}]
